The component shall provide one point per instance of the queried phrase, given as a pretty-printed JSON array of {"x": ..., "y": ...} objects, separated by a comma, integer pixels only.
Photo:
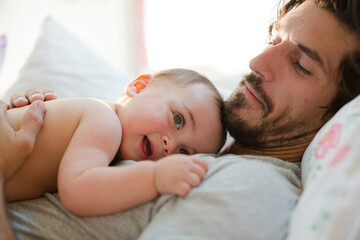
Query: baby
[{"x": 165, "y": 117}]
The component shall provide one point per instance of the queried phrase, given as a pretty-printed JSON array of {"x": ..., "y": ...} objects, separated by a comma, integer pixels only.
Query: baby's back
[{"x": 40, "y": 170}]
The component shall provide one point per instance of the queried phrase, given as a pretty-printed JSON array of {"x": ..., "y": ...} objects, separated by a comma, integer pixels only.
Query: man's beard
[{"x": 266, "y": 133}]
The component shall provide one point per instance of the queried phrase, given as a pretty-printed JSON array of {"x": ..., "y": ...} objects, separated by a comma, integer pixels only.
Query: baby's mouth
[{"x": 147, "y": 146}]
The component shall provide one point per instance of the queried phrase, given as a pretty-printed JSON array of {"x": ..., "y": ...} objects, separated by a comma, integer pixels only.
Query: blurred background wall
[{"x": 216, "y": 37}]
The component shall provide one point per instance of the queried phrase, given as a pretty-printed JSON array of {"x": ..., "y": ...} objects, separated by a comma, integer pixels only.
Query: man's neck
[{"x": 288, "y": 152}]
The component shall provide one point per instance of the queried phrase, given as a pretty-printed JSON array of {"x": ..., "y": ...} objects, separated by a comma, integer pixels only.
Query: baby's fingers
[
  {"x": 183, "y": 189},
  {"x": 194, "y": 179},
  {"x": 200, "y": 166}
]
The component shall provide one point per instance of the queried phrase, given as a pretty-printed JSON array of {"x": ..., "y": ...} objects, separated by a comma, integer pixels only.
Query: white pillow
[
  {"x": 329, "y": 205},
  {"x": 62, "y": 63}
]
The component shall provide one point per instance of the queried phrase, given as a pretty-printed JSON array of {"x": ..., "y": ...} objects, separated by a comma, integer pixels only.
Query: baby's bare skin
[
  {"x": 72, "y": 152},
  {"x": 40, "y": 171}
]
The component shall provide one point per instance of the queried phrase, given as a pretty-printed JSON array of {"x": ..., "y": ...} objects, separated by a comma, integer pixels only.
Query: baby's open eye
[
  {"x": 183, "y": 151},
  {"x": 178, "y": 120}
]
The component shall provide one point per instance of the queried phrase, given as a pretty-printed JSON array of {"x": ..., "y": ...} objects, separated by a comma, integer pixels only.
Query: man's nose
[
  {"x": 168, "y": 145},
  {"x": 268, "y": 62}
]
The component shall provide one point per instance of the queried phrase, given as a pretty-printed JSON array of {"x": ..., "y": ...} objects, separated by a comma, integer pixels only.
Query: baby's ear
[{"x": 135, "y": 86}]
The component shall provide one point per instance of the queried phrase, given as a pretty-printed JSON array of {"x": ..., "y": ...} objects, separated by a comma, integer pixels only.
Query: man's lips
[
  {"x": 251, "y": 93},
  {"x": 146, "y": 148}
]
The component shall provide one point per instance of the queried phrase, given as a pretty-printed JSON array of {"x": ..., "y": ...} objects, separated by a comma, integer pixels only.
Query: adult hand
[
  {"x": 31, "y": 95},
  {"x": 15, "y": 146}
]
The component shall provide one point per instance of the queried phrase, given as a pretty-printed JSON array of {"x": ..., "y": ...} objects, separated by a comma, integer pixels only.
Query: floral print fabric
[{"x": 329, "y": 207}]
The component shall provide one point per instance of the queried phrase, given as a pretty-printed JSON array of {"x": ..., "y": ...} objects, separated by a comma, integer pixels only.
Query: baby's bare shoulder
[
  {"x": 98, "y": 112},
  {"x": 92, "y": 118},
  {"x": 79, "y": 106},
  {"x": 73, "y": 110},
  {"x": 101, "y": 123},
  {"x": 78, "y": 102}
]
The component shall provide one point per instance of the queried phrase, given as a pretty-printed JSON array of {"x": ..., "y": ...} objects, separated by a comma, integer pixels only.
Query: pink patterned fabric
[{"x": 328, "y": 208}]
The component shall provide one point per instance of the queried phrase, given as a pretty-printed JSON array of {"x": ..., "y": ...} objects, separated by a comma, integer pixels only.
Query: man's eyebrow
[
  {"x": 311, "y": 54},
  {"x": 191, "y": 117}
]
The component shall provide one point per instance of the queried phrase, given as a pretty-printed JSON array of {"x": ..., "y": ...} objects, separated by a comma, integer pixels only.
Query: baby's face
[{"x": 165, "y": 120}]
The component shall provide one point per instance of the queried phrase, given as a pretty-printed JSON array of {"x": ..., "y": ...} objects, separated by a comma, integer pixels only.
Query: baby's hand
[{"x": 177, "y": 174}]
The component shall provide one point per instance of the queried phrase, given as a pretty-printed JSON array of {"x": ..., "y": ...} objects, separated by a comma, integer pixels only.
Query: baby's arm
[
  {"x": 87, "y": 186},
  {"x": 105, "y": 190}
]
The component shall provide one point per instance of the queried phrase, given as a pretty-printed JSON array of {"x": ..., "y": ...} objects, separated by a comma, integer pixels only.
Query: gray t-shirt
[{"x": 241, "y": 197}]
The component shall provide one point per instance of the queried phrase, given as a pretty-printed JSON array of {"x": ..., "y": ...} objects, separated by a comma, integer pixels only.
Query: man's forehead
[
  {"x": 318, "y": 30},
  {"x": 297, "y": 16}
]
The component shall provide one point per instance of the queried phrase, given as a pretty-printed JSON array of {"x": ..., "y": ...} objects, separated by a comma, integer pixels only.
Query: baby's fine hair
[{"x": 187, "y": 77}]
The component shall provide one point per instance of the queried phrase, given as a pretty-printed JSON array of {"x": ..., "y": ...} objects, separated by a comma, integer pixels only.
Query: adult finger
[
  {"x": 6, "y": 131},
  {"x": 18, "y": 100},
  {"x": 30, "y": 126},
  {"x": 3, "y": 108},
  {"x": 49, "y": 95},
  {"x": 4, "y": 105},
  {"x": 34, "y": 94}
]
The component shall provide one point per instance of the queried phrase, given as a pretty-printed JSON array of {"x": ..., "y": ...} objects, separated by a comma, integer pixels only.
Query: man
[{"x": 309, "y": 69}]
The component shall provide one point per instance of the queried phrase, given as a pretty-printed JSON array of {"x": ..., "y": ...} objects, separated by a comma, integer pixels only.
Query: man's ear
[{"x": 135, "y": 86}]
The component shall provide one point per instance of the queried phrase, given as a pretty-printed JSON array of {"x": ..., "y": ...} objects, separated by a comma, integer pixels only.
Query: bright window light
[{"x": 221, "y": 35}]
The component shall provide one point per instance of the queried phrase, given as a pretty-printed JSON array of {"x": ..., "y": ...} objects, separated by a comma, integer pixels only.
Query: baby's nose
[{"x": 168, "y": 145}]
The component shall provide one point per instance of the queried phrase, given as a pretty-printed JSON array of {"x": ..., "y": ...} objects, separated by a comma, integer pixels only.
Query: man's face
[{"x": 292, "y": 81}]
